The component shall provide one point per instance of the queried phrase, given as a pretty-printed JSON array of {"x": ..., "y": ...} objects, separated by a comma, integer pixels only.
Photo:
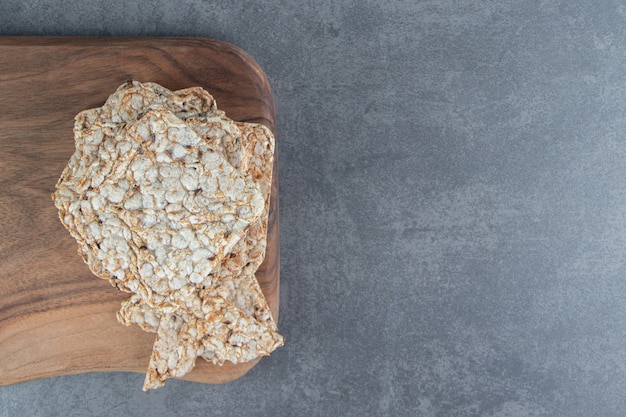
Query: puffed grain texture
[{"x": 168, "y": 199}]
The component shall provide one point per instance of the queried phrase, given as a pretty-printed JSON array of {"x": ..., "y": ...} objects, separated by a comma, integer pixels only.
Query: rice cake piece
[
  {"x": 249, "y": 146},
  {"x": 163, "y": 193},
  {"x": 217, "y": 332}
]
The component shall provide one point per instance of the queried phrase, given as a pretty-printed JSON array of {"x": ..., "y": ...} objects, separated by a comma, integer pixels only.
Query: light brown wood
[{"x": 56, "y": 318}]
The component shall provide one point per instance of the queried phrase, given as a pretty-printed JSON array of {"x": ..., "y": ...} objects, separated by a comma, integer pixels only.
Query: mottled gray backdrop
[{"x": 453, "y": 207}]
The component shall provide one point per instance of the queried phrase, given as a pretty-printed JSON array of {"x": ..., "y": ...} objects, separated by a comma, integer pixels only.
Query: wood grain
[{"x": 56, "y": 318}]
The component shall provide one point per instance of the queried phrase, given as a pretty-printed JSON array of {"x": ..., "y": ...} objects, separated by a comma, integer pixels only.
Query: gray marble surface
[{"x": 453, "y": 207}]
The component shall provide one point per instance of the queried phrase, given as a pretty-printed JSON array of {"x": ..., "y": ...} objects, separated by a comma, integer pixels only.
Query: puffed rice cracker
[{"x": 168, "y": 199}]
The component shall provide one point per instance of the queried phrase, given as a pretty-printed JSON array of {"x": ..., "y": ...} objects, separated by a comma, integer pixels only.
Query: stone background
[{"x": 453, "y": 207}]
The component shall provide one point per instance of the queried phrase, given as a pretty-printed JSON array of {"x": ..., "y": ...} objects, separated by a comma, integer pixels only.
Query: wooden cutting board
[{"x": 56, "y": 318}]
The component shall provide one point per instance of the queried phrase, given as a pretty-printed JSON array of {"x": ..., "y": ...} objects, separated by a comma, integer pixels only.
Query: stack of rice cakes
[{"x": 168, "y": 199}]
